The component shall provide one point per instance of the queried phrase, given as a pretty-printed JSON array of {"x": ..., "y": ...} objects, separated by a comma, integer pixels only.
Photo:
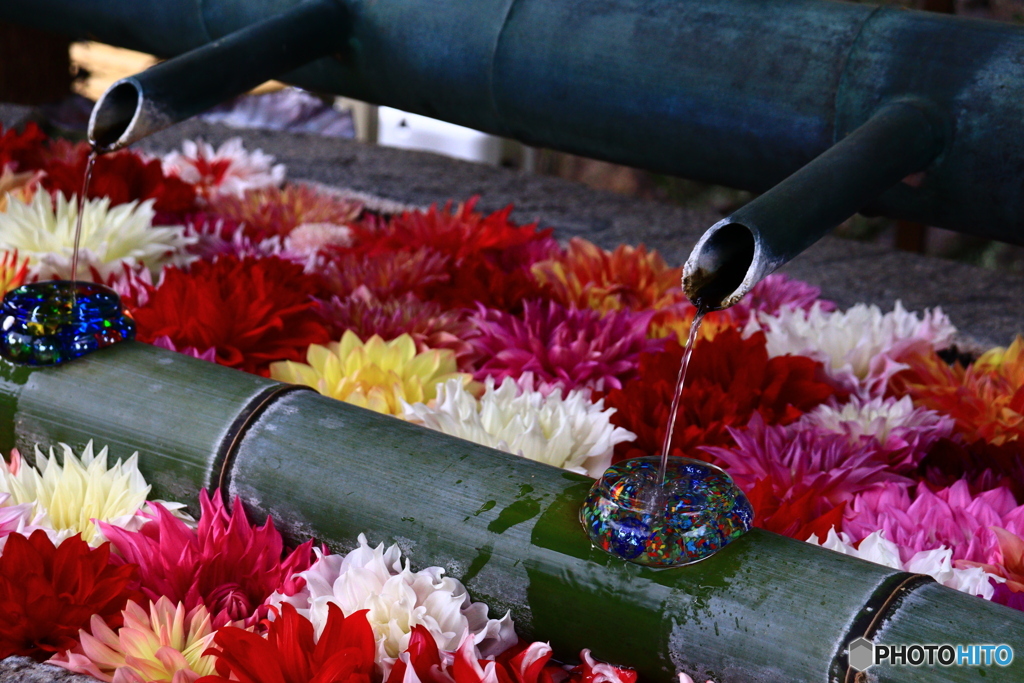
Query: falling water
[
  {"x": 673, "y": 414},
  {"x": 82, "y": 199}
]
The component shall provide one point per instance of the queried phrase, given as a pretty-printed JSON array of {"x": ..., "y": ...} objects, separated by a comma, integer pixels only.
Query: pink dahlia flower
[
  {"x": 928, "y": 519},
  {"x": 904, "y": 433},
  {"x": 798, "y": 459},
  {"x": 778, "y": 291},
  {"x": 568, "y": 347},
  {"x": 226, "y": 564}
]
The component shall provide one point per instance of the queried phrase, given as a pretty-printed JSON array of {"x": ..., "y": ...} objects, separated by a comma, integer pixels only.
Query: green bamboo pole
[{"x": 764, "y": 608}]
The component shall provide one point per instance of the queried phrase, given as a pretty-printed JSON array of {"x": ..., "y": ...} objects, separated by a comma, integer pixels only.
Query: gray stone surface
[
  {"x": 13, "y": 115},
  {"x": 25, "y": 670},
  {"x": 987, "y": 306}
]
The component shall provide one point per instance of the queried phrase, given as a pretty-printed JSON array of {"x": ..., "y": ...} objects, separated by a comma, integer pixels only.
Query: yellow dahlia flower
[
  {"x": 376, "y": 374},
  {"x": 71, "y": 497},
  {"x": 165, "y": 645}
]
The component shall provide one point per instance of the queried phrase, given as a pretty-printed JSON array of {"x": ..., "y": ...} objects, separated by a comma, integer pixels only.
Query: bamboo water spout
[
  {"x": 764, "y": 608},
  {"x": 735, "y": 92}
]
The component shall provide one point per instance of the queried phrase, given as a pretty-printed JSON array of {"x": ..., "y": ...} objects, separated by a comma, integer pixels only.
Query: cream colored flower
[
  {"x": 572, "y": 433},
  {"x": 398, "y": 599},
  {"x": 937, "y": 563},
  {"x": 164, "y": 645},
  {"x": 857, "y": 346},
  {"x": 111, "y": 236},
  {"x": 69, "y": 498},
  {"x": 377, "y": 375}
]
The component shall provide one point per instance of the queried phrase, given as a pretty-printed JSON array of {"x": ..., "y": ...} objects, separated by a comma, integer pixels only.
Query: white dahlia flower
[
  {"x": 228, "y": 170},
  {"x": 398, "y": 599},
  {"x": 857, "y": 346},
  {"x": 111, "y": 237},
  {"x": 937, "y": 563},
  {"x": 573, "y": 433}
]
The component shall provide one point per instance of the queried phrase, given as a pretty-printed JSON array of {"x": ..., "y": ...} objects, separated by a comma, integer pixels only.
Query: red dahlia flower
[
  {"x": 252, "y": 311},
  {"x": 48, "y": 593},
  {"x": 729, "y": 379},
  {"x": 422, "y": 663},
  {"x": 22, "y": 151},
  {"x": 799, "y": 518},
  {"x": 291, "y": 654},
  {"x": 226, "y": 564},
  {"x": 123, "y": 177}
]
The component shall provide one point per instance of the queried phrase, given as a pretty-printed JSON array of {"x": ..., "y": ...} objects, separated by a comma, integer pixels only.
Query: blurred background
[{"x": 63, "y": 79}]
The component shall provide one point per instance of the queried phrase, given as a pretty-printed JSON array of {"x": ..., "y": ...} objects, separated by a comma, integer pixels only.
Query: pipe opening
[
  {"x": 720, "y": 267},
  {"x": 113, "y": 114}
]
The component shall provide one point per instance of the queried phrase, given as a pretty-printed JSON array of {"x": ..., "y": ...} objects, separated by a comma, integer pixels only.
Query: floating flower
[
  {"x": 387, "y": 275},
  {"x": 252, "y": 311},
  {"x": 228, "y": 170},
  {"x": 859, "y": 346},
  {"x": 778, "y": 292},
  {"x": 1008, "y": 564},
  {"x": 423, "y": 663},
  {"x": 487, "y": 259},
  {"x": 937, "y": 563},
  {"x": 70, "y": 499},
  {"x": 270, "y": 211},
  {"x": 310, "y": 239},
  {"x": 950, "y": 517},
  {"x": 44, "y": 232},
  {"x": 13, "y": 271},
  {"x": 165, "y": 342},
  {"x": 163, "y": 645},
  {"x": 226, "y": 564},
  {"x": 396, "y": 599},
  {"x": 573, "y": 433},
  {"x": 729, "y": 379},
  {"x": 376, "y": 374},
  {"x": 798, "y": 517},
  {"x": 216, "y": 236},
  {"x": 48, "y": 593},
  {"x": 568, "y": 347},
  {"x": 587, "y": 276},
  {"x": 904, "y": 433},
  {"x": 16, "y": 518},
  {"x": 20, "y": 185},
  {"x": 120, "y": 178},
  {"x": 986, "y": 399},
  {"x": 291, "y": 654},
  {"x": 426, "y": 322},
  {"x": 798, "y": 460},
  {"x": 458, "y": 232},
  {"x": 22, "y": 151}
]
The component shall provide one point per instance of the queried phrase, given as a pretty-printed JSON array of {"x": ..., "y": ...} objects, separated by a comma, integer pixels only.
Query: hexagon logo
[{"x": 861, "y": 654}]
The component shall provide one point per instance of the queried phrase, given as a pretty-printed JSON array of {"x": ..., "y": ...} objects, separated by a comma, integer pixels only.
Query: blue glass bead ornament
[
  {"x": 49, "y": 323},
  {"x": 698, "y": 510}
]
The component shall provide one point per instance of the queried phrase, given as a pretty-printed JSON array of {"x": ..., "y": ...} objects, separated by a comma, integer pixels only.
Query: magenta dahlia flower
[
  {"x": 926, "y": 519},
  {"x": 567, "y": 347},
  {"x": 226, "y": 564},
  {"x": 778, "y": 291},
  {"x": 799, "y": 459}
]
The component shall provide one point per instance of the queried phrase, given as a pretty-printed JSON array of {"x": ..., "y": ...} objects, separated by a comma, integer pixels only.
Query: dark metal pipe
[
  {"x": 737, "y": 92},
  {"x": 172, "y": 91},
  {"x": 904, "y": 137}
]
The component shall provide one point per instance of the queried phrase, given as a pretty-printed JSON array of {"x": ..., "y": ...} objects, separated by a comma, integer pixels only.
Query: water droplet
[
  {"x": 49, "y": 323},
  {"x": 696, "y": 513}
]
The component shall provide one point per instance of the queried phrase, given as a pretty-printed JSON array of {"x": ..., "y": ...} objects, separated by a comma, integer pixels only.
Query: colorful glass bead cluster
[
  {"x": 52, "y": 322},
  {"x": 631, "y": 514}
]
